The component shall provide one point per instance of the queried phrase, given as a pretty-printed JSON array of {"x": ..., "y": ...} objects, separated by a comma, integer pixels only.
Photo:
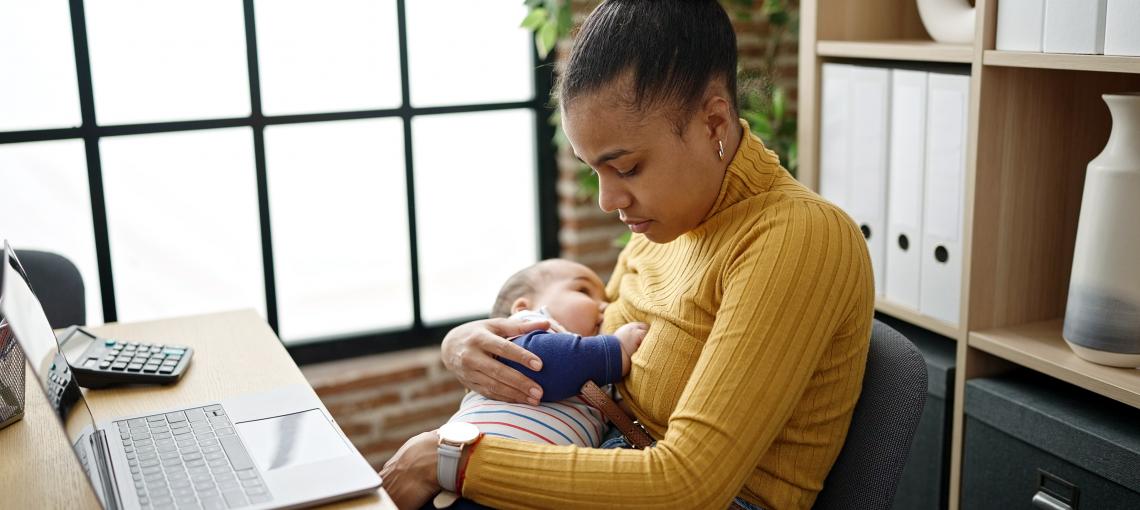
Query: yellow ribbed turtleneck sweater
[{"x": 759, "y": 322}]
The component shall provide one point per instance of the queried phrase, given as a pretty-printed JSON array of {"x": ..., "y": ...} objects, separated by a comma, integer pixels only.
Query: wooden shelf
[
  {"x": 917, "y": 318},
  {"x": 920, "y": 51},
  {"x": 1040, "y": 347},
  {"x": 1100, "y": 63}
]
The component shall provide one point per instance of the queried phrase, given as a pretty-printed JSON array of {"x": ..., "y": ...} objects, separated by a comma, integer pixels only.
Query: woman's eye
[{"x": 628, "y": 173}]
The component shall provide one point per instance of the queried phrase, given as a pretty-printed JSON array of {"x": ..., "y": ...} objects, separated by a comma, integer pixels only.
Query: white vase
[
  {"x": 948, "y": 21},
  {"x": 1102, "y": 317}
]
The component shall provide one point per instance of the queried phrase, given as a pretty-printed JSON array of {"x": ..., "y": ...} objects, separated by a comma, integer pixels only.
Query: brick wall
[{"x": 380, "y": 401}]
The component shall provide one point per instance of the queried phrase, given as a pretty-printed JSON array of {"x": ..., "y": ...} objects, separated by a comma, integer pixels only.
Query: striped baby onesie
[{"x": 566, "y": 422}]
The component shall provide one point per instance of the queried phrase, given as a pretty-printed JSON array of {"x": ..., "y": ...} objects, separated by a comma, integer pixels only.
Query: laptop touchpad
[{"x": 290, "y": 440}]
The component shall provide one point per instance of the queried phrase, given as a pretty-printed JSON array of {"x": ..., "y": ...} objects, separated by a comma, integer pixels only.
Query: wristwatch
[{"x": 453, "y": 438}]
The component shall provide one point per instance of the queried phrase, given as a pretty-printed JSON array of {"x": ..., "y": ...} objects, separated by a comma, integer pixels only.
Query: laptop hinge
[{"x": 107, "y": 475}]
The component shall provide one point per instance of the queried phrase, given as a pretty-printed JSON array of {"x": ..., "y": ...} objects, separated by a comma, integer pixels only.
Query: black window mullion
[
  {"x": 546, "y": 162},
  {"x": 409, "y": 165},
  {"x": 257, "y": 122},
  {"x": 90, "y": 135}
]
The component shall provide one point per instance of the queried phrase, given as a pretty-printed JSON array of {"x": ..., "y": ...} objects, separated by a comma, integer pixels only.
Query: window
[{"x": 337, "y": 166}]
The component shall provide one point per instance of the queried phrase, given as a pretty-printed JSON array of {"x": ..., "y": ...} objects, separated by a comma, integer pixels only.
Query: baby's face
[{"x": 574, "y": 296}]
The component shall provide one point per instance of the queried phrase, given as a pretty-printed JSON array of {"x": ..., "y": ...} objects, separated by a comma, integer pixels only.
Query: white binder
[
  {"x": 870, "y": 98},
  {"x": 947, "y": 114},
  {"x": 853, "y": 151},
  {"x": 905, "y": 191},
  {"x": 834, "y": 178}
]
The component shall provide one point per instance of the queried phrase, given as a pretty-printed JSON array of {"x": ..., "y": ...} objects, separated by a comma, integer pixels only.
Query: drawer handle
[
  {"x": 1045, "y": 501},
  {"x": 1054, "y": 492}
]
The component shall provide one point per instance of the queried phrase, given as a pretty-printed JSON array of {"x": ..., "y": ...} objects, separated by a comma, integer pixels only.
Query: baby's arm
[{"x": 570, "y": 360}]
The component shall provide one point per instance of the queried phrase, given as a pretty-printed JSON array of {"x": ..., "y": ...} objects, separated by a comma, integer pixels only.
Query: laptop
[{"x": 277, "y": 449}]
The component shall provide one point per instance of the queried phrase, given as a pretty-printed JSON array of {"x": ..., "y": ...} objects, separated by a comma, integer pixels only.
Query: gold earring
[{"x": 720, "y": 151}]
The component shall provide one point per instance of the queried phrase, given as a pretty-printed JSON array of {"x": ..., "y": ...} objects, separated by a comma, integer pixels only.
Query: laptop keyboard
[{"x": 190, "y": 459}]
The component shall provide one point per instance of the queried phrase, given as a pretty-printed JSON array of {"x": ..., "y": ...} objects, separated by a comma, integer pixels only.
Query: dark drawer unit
[
  {"x": 1035, "y": 442},
  {"x": 925, "y": 480}
]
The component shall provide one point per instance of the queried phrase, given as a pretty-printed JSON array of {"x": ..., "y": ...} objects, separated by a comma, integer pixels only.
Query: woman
[{"x": 758, "y": 293}]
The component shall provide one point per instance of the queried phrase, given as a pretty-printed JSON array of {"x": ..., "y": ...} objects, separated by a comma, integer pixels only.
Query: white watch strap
[{"x": 447, "y": 466}]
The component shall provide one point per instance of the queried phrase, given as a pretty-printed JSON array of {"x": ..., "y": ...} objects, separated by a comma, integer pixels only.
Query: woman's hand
[
  {"x": 469, "y": 351},
  {"x": 410, "y": 476}
]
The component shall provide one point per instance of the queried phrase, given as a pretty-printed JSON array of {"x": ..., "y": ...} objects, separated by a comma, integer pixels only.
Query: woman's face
[{"x": 661, "y": 184}]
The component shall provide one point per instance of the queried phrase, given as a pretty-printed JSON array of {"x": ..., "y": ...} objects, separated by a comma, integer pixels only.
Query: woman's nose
[
  {"x": 602, "y": 306},
  {"x": 611, "y": 196}
]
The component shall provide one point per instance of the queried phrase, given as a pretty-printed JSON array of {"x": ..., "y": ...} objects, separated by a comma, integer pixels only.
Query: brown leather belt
[{"x": 634, "y": 433}]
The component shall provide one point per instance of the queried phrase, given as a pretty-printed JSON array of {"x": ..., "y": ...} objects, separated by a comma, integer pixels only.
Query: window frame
[{"x": 339, "y": 347}]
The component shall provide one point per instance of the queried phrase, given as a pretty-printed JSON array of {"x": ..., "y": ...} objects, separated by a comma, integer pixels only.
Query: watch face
[{"x": 459, "y": 432}]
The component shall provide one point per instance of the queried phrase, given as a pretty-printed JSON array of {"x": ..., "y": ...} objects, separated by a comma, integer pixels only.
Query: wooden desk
[{"x": 235, "y": 353}]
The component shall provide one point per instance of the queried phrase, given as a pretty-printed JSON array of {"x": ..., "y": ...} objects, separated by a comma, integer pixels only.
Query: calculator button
[
  {"x": 119, "y": 366},
  {"x": 134, "y": 367},
  {"x": 166, "y": 369},
  {"x": 150, "y": 369},
  {"x": 173, "y": 350},
  {"x": 104, "y": 364},
  {"x": 109, "y": 343}
]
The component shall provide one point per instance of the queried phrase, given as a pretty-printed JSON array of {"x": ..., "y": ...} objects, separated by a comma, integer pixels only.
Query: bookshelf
[
  {"x": 1035, "y": 121},
  {"x": 917, "y": 51}
]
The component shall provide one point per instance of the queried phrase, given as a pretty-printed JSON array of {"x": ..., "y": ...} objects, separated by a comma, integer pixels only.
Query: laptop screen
[{"x": 30, "y": 327}]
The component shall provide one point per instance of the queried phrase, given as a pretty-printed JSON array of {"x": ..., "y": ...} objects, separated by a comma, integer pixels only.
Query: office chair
[
  {"x": 58, "y": 285},
  {"x": 867, "y": 471}
]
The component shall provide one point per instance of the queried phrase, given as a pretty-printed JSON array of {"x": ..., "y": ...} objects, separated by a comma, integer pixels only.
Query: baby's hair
[{"x": 521, "y": 284}]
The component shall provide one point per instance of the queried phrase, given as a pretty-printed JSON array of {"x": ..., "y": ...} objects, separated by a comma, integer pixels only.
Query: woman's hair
[{"x": 673, "y": 49}]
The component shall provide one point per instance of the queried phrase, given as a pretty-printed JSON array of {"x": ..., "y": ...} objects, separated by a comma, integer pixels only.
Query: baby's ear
[{"x": 520, "y": 304}]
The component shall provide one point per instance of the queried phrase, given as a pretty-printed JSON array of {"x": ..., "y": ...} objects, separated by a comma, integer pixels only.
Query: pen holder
[{"x": 11, "y": 377}]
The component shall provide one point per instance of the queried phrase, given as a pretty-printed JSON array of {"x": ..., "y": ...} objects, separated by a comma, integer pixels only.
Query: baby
[{"x": 572, "y": 298}]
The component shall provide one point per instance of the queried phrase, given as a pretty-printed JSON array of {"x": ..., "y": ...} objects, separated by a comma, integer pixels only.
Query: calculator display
[{"x": 74, "y": 347}]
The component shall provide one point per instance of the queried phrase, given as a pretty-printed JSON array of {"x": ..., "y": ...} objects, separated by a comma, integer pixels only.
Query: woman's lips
[{"x": 638, "y": 227}]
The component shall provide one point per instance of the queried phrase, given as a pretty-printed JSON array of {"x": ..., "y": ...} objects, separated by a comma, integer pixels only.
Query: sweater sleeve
[
  {"x": 790, "y": 286},
  {"x": 568, "y": 361}
]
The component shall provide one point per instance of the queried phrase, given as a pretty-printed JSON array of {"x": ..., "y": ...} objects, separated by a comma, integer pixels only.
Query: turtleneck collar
[{"x": 750, "y": 172}]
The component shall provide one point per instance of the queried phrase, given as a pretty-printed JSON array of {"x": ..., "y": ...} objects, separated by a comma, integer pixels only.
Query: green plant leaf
[
  {"x": 587, "y": 182},
  {"x": 793, "y": 158},
  {"x": 535, "y": 19},
  {"x": 623, "y": 239},
  {"x": 565, "y": 19},
  {"x": 759, "y": 125},
  {"x": 779, "y": 104},
  {"x": 547, "y": 37}
]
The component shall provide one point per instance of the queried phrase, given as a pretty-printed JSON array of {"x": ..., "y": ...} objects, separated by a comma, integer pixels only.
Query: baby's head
[{"x": 572, "y": 294}]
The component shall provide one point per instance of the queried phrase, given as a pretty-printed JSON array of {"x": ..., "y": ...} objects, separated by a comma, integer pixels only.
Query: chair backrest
[
  {"x": 870, "y": 464},
  {"x": 58, "y": 285}
]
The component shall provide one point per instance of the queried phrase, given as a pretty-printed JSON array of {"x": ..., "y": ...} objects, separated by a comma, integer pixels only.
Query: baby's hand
[{"x": 630, "y": 337}]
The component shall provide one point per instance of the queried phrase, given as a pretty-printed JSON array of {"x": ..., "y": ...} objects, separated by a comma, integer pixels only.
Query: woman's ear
[
  {"x": 520, "y": 304},
  {"x": 718, "y": 118}
]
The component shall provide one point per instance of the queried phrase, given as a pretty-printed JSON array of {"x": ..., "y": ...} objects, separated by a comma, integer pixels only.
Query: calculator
[
  {"x": 100, "y": 362},
  {"x": 61, "y": 393}
]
